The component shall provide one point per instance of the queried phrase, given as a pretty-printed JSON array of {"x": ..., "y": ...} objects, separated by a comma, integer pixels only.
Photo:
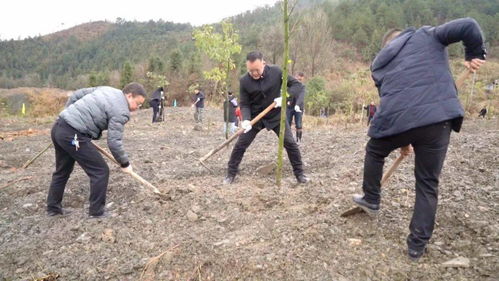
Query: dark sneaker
[
  {"x": 63, "y": 212},
  {"x": 104, "y": 215},
  {"x": 302, "y": 179},
  {"x": 54, "y": 213},
  {"x": 229, "y": 179},
  {"x": 414, "y": 255},
  {"x": 369, "y": 208}
]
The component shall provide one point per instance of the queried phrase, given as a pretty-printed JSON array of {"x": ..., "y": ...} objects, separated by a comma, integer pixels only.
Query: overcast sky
[{"x": 23, "y": 18}]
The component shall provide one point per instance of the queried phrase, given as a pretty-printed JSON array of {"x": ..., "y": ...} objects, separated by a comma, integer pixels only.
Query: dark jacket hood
[{"x": 386, "y": 54}]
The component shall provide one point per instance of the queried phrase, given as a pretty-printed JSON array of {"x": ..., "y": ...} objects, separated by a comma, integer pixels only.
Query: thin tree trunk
[
  {"x": 284, "y": 93},
  {"x": 227, "y": 100}
]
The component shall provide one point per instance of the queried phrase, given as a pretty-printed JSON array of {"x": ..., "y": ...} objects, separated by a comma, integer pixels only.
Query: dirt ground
[{"x": 251, "y": 230}]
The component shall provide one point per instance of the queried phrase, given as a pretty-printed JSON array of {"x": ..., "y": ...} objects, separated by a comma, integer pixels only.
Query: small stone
[
  {"x": 108, "y": 236},
  {"x": 74, "y": 227},
  {"x": 225, "y": 241},
  {"x": 266, "y": 169},
  {"x": 191, "y": 216},
  {"x": 354, "y": 241},
  {"x": 28, "y": 205},
  {"x": 196, "y": 208},
  {"x": 457, "y": 262},
  {"x": 84, "y": 237}
]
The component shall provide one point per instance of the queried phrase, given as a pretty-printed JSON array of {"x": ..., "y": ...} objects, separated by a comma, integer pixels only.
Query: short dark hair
[
  {"x": 389, "y": 35},
  {"x": 135, "y": 89},
  {"x": 254, "y": 55},
  {"x": 301, "y": 74}
]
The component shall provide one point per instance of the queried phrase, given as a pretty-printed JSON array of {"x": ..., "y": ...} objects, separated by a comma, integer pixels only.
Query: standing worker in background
[
  {"x": 199, "y": 104},
  {"x": 259, "y": 88},
  {"x": 295, "y": 108},
  {"x": 230, "y": 106},
  {"x": 371, "y": 110},
  {"x": 88, "y": 112},
  {"x": 483, "y": 112},
  {"x": 419, "y": 106},
  {"x": 156, "y": 104}
]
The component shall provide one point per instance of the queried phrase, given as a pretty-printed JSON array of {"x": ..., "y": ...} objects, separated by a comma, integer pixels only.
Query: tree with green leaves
[
  {"x": 156, "y": 65},
  {"x": 98, "y": 79},
  {"x": 126, "y": 74},
  {"x": 176, "y": 61},
  {"x": 220, "y": 48}
]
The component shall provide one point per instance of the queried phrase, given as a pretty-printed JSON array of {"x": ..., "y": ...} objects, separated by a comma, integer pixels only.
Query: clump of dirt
[{"x": 251, "y": 230}]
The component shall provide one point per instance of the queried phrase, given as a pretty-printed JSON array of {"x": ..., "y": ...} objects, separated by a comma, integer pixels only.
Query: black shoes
[
  {"x": 104, "y": 215},
  {"x": 414, "y": 255},
  {"x": 54, "y": 213},
  {"x": 302, "y": 179},
  {"x": 369, "y": 208},
  {"x": 229, "y": 179},
  {"x": 62, "y": 212}
]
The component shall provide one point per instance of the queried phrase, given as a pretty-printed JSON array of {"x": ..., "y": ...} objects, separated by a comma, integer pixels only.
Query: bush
[{"x": 46, "y": 103}]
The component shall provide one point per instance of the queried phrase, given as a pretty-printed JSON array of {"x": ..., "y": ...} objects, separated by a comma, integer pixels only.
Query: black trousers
[
  {"x": 369, "y": 118},
  {"x": 155, "y": 112},
  {"x": 87, "y": 157},
  {"x": 430, "y": 147},
  {"x": 246, "y": 139}
]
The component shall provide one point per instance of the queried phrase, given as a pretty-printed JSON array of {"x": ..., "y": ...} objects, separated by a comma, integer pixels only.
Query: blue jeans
[{"x": 290, "y": 112}]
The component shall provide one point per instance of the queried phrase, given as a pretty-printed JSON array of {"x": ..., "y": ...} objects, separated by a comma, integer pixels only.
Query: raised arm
[{"x": 466, "y": 30}]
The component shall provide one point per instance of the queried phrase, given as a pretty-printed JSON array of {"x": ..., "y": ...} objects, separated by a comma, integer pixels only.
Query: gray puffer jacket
[{"x": 92, "y": 110}]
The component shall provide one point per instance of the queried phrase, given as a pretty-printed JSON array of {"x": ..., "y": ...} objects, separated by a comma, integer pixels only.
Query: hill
[{"x": 327, "y": 37}]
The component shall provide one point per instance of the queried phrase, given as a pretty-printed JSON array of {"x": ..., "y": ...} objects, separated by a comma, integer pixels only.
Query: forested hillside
[{"x": 331, "y": 40}]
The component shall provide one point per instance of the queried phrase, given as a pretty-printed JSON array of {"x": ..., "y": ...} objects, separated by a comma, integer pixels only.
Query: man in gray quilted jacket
[{"x": 87, "y": 113}]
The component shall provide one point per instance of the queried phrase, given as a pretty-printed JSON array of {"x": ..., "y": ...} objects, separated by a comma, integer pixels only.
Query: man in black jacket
[
  {"x": 259, "y": 88},
  {"x": 419, "y": 107}
]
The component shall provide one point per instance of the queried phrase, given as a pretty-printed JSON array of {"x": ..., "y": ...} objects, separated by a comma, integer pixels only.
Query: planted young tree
[
  {"x": 220, "y": 48},
  {"x": 284, "y": 91}
]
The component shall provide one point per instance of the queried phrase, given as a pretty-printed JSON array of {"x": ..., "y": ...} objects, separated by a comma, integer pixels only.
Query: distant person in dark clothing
[
  {"x": 483, "y": 112},
  {"x": 199, "y": 104},
  {"x": 259, "y": 88},
  {"x": 295, "y": 108},
  {"x": 230, "y": 113},
  {"x": 371, "y": 110},
  {"x": 155, "y": 103},
  {"x": 88, "y": 112},
  {"x": 419, "y": 107}
]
